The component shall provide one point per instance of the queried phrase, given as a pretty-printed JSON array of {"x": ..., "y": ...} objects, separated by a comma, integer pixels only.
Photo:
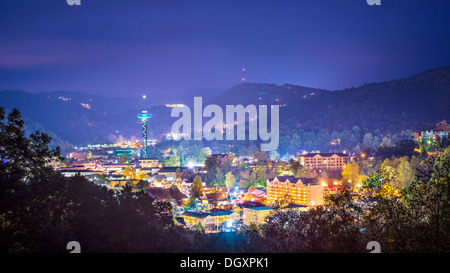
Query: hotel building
[
  {"x": 324, "y": 161},
  {"x": 301, "y": 191}
]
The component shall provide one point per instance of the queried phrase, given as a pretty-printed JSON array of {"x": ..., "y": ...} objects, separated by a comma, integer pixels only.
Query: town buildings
[{"x": 217, "y": 208}]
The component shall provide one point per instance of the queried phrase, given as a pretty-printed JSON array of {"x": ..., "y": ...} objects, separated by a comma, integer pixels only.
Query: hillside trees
[
  {"x": 417, "y": 218},
  {"x": 41, "y": 211},
  {"x": 196, "y": 188},
  {"x": 413, "y": 219}
]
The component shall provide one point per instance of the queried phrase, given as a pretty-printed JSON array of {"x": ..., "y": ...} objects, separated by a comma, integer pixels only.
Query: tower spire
[{"x": 144, "y": 116}]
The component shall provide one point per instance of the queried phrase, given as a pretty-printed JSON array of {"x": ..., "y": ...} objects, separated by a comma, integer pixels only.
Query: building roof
[
  {"x": 293, "y": 206},
  {"x": 307, "y": 181},
  {"x": 77, "y": 171},
  {"x": 324, "y": 154},
  {"x": 294, "y": 180},
  {"x": 147, "y": 169},
  {"x": 262, "y": 208},
  {"x": 215, "y": 196},
  {"x": 285, "y": 177},
  {"x": 217, "y": 155},
  {"x": 180, "y": 220},
  {"x": 257, "y": 193},
  {"x": 164, "y": 193},
  {"x": 203, "y": 215},
  {"x": 171, "y": 169},
  {"x": 194, "y": 214},
  {"x": 215, "y": 209},
  {"x": 250, "y": 204},
  {"x": 159, "y": 176},
  {"x": 148, "y": 158},
  {"x": 221, "y": 213}
]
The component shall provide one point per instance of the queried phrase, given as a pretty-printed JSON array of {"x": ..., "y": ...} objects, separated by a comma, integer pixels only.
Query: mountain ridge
[{"x": 415, "y": 102}]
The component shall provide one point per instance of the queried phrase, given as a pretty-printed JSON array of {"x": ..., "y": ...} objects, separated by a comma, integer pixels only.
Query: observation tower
[{"x": 144, "y": 116}]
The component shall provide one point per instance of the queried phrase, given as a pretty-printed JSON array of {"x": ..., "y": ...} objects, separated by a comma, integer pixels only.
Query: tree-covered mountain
[
  {"x": 266, "y": 94},
  {"x": 417, "y": 102},
  {"x": 82, "y": 118}
]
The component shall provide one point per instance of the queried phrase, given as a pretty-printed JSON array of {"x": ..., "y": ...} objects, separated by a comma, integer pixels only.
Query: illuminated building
[
  {"x": 213, "y": 200},
  {"x": 210, "y": 219},
  {"x": 184, "y": 186},
  {"x": 324, "y": 161},
  {"x": 431, "y": 135},
  {"x": 144, "y": 116},
  {"x": 217, "y": 218},
  {"x": 256, "y": 215},
  {"x": 301, "y": 191},
  {"x": 148, "y": 163},
  {"x": 170, "y": 172},
  {"x": 69, "y": 172}
]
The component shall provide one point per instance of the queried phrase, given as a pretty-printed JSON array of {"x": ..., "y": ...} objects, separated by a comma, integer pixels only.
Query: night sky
[{"x": 128, "y": 48}]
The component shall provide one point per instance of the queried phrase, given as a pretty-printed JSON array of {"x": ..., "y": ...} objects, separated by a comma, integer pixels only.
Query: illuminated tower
[
  {"x": 243, "y": 75},
  {"x": 144, "y": 116}
]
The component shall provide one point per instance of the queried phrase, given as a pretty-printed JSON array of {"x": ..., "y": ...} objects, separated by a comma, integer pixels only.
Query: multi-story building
[
  {"x": 221, "y": 216},
  {"x": 192, "y": 218},
  {"x": 431, "y": 135},
  {"x": 324, "y": 161},
  {"x": 148, "y": 162},
  {"x": 301, "y": 191},
  {"x": 239, "y": 208},
  {"x": 256, "y": 215},
  {"x": 170, "y": 172}
]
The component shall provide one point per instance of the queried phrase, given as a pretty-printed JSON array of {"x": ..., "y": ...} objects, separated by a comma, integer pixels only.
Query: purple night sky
[{"x": 127, "y": 48}]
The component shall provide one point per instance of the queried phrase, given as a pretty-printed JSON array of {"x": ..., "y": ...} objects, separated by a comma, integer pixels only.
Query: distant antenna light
[{"x": 243, "y": 75}]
